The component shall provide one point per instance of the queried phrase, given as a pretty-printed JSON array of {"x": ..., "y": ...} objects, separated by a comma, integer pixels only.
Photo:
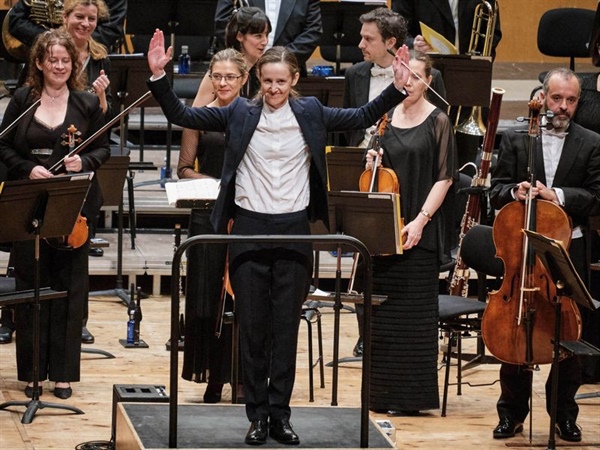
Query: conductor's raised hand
[
  {"x": 400, "y": 66},
  {"x": 158, "y": 58}
]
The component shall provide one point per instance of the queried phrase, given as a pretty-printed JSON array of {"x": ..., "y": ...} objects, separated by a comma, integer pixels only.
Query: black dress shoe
[
  {"x": 6, "y": 334},
  {"x": 96, "y": 251},
  {"x": 63, "y": 393},
  {"x": 257, "y": 433},
  {"x": 507, "y": 428},
  {"x": 282, "y": 431},
  {"x": 29, "y": 391},
  {"x": 358, "y": 348},
  {"x": 86, "y": 336},
  {"x": 568, "y": 430}
]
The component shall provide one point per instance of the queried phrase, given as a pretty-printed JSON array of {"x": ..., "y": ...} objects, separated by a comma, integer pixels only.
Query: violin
[
  {"x": 519, "y": 320},
  {"x": 378, "y": 179},
  {"x": 382, "y": 179},
  {"x": 80, "y": 232}
]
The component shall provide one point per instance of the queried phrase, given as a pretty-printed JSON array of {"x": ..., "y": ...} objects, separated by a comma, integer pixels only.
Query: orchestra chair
[
  {"x": 460, "y": 316},
  {"x": 565, "y": 32}
]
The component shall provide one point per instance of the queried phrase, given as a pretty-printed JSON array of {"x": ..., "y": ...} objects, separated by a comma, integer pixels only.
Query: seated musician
[{"x": 568, "y": 176}]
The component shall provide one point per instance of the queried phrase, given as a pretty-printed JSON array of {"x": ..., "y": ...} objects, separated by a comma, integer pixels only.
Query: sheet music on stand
[{"x": 199, "y": 193}]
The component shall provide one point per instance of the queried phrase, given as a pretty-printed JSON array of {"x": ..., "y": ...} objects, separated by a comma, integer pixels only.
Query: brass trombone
[{"x": 485, "y": 15}]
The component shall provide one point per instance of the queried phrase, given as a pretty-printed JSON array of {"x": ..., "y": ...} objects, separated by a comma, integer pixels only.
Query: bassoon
[{"x": 459, "y": 284}]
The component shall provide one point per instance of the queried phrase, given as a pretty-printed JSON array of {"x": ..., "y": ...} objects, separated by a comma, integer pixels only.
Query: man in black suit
[
  {"x": 382, "y": 30},
  {"x": 568, "y": 174},
  {"x": 453, "y": 19},
  {"x": 296, "y": 24}
]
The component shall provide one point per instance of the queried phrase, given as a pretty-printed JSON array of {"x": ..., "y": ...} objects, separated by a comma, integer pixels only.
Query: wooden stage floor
[{"x": 468, "y": 425}]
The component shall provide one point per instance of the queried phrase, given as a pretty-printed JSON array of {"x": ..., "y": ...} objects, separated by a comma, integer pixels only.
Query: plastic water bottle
[
  {"x": 184, "y": 61},
  {"x": 131, "y": 323},
  {"x": 165, "y": 173}
]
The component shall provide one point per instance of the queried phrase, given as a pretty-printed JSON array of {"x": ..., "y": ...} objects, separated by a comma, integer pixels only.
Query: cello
[{"x": 518, "y": 323}]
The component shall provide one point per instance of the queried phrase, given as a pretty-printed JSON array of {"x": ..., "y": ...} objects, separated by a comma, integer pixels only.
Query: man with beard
[{"x": 568, "y": 174}]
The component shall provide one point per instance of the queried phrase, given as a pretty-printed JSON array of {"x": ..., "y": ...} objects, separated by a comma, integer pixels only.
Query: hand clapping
[{"x": 157, "y": 57}]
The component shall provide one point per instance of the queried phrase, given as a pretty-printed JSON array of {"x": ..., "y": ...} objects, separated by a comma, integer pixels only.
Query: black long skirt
[{"x": 405, "y": 332}]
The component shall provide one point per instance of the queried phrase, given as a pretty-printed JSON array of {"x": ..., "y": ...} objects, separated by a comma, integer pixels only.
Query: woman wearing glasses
[{"x": 201, "y": 156}]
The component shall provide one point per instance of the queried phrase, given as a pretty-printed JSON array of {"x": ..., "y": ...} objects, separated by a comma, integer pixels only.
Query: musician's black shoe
[
  {"x": 257, "y": 433},
  {"x": 96, "y": 251},
  {"x": 568, "y": 430},
  {"x": 86, "y": 336},
  {"x": 358, "y": 348},
  {"x": 29, "y": 391},
  {"x": 507, "y": 428},
  {"x": 213, "y": 393},
  {"x": 282, "y": 431},
  {"x": 6, "y": 334}
]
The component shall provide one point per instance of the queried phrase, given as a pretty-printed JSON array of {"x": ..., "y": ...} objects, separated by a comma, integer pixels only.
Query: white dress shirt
[
  {"x": 273, "y": 176},
  {"x": 381, "y": 77},
  {"x": 272, "y": 11}
]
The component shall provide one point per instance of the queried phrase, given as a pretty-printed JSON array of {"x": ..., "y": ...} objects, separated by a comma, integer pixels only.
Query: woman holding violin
[
  {"x": 207, "y": 343},
  {"x": 567, "y": 170},
  {"x": 418, "y": 146},
  {"x": 36, "y": 143}
]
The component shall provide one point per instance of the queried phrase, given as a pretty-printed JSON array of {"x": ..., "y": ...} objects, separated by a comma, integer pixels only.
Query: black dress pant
[
  {"x": 60, "y": 319},
  {"x": 270, "y": 282}
]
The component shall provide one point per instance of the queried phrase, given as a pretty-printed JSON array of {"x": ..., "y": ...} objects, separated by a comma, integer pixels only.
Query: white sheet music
[{"x": 194, "y": 189}]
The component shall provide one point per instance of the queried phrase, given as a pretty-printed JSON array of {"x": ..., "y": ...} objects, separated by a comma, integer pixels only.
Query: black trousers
[
  {"x": 515, "y": 381},
  {"x": 60, "y": 319},
  {"x": 270, "y": 282}
]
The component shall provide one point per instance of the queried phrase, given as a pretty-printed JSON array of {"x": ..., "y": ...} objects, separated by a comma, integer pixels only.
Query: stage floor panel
[{"x": 146, "y": 426}]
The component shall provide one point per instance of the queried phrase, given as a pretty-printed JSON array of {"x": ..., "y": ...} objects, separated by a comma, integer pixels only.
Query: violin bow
[
  {"x": 18, "y": 119},
  {"x": 94, "y": 136},
  {"x": 391, "y": 52}
]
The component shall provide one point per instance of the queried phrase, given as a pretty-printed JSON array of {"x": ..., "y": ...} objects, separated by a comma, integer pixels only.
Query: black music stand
[
  {"x": 344, "y": 168},
  {"x": 555, "y": 259},
  {"x": 45, "y": 208},
  {"x": 468, "y": 82},
  {"x": 181, "y": 17},
  {"x": 111, "y": 177},
  {"x": 357, "y": 214},
  {"x": 341, "y": 30}
]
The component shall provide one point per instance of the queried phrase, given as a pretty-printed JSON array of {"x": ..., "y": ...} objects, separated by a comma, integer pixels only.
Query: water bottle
[
  {"x": 165, "y": 173},
  {"x": 131, "y": 323},
  {"x": 184, "y": 61}
]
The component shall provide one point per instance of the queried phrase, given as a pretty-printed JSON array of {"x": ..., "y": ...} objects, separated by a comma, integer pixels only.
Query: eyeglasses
[{"x": 230, "y": 78}]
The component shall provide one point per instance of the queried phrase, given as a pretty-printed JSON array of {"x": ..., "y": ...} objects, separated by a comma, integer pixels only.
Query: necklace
[{"x": 52, "y": 99}]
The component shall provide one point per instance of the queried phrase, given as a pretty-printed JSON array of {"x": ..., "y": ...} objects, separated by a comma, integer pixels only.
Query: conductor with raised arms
[{"x": 273, "y": 182}]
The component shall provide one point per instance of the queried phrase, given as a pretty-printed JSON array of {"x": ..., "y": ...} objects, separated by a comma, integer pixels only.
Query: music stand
[
  {"x": 358, "y": 214},
  {"x": 40, "y": 209},
  {"x": 341, "y": 28},
  {"x": 555, "y": 259},
  {"x": 344, "y": 168},
  {"x": 111, "y": 177}
]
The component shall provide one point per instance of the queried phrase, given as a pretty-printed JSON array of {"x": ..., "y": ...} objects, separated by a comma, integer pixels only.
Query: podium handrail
[
  {"x": 338, "y": 239},
  {"x": 105, "y": 127}
]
